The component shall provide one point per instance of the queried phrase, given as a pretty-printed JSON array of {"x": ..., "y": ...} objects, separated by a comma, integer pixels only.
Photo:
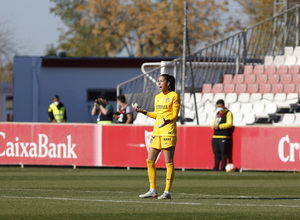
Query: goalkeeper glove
[
  {"x": 165, "y": 122},
  {"x": 138, "y": 109}
]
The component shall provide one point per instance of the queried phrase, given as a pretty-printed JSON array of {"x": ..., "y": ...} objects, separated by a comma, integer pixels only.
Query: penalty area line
[{"x": 146, "y": 202}]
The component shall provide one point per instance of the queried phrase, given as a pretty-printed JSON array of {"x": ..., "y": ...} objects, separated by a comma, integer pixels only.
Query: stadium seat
[
  {"x": 292, "y": 98},
  {"x": 258, "y": 69},
  {"x": 297, "y": 90},
  {"x": 246, "y": 107},
  {"x": 279, "y": 61},
  {"x": 218, "y": 96},
  {"x": 296, "y": 79},
  {"x": 241, "y": 88},
  {"x": 250, "y": 79},
  {"x": 141, "y": 119},
  {"x": 273, "y": 79},
  {"x": 189, "y": 113},
  {"x": 252, "y": 88},
  {"x": 198, "y": 97},
  {"x": 187, "y": 100},
  {"x": 277, "y": 88},
  {"x": 262, "y": 79},
  {"x": 287, "y": 120},
  {"x": 202, "y": 117},
  {"x": 280, "y": 97},
  {"x": 206, "y": 88},
  {"x": 207, "y": 97},
  {"x": 271, "y": 108},
  {"x": 235, "y": 107},
  {"x": 255, "y": 97},
  {"x": 288, "y": 51},
  {"x": 217, "y": 88},
  {"x": 230, "y": 98},
  {"x": 267, "y": 97},
  {"x": 265, "y": 88},
  {"x": 238, "y": 78},
  {"x": 248, "y": 69},
  {"x": 227, "y": 79},
  {"x": 244, "y": 97},
  {"x": 284, "y": 100},
  {"x": 297, "y": 118},
  {"x": 238, "y": 119},
  {"x": 294, "y": 70},
  {"x": 259, "y": 109},
  {"x": 286, "y": 79},
  {"x": 282, "y": 70},
  {"x": 289, "y": 88},
  {"x": 229, "y": 88},
  {"x": 210, "y": 118},
  {"x": 297, "y": 52},
  {"x": 209, "y": 107},
  {"x": 249, "y": 118},
  {"x": 270, "y": 69},
  {"x": 290, "y": 61},
  {"x": 268, "y": 60}
]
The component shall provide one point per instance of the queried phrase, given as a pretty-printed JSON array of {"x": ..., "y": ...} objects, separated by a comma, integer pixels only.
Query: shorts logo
[
  {"x": 152, "y": 138},
  {"x": 168, "y": 99}
]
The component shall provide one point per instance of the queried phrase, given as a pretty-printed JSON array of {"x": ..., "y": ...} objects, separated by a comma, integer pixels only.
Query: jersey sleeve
[
  {"x": 153, "y": 114},
  {"x": 176, "y": 107},
  {"x": 228, "y": 123}
]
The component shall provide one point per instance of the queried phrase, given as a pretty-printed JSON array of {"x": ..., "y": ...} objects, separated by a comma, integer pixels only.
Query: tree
[
  {"x": 140, "y": 27},
  {"x": 8, "y": 48},
  {"x": 6, "y": 73},
  {"x": 259, "y": 10},
  {"x": 7, "y": 44}
]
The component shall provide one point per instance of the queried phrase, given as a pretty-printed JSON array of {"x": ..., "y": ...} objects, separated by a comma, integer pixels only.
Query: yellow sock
[
  {"x": 170, "y": 176},
  {"x": 151, "y": 173}
]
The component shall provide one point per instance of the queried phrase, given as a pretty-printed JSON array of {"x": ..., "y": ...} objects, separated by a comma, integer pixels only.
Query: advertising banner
[
  {"x": 50, "y": 144},
  {"x": 270, "y": 148},
  {"x": 104, "y": 145}
]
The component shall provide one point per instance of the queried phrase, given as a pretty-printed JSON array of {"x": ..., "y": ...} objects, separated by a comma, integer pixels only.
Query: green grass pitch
[{"x": 98, "y": 193}]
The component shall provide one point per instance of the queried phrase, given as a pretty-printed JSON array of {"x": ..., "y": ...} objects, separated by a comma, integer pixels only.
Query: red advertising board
[
  {"x": 270, "y": 148},
  {"x": 96, "y": 145},
  {"x": 253, "y": 148},
  {"x": 50, "y": 144}
]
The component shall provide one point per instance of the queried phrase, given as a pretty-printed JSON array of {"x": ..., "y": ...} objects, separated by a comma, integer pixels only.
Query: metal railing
[{"x": 227, "y": 56}]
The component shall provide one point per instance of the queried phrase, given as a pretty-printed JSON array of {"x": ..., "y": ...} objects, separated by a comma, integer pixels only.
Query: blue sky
[{"x": 31, "y": 24}]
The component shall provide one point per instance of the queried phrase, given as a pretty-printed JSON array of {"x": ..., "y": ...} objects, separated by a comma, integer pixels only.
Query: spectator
[
  {"x": 124, "y": 116},
  {"x": 57, "y": 111},
  {"x": 222, "y": 126},
  {"x": 104, "y": 110}
]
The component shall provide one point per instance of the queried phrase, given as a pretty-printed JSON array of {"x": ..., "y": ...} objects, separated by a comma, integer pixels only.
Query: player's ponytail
[{"x": 171, "y": 80}]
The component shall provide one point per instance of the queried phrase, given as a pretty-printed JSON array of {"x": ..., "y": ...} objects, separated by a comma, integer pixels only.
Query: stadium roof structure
[{"x": 113, "y": 62}]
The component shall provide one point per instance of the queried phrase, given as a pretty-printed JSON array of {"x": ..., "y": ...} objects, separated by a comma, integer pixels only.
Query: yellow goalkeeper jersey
[{"x": 166, "y": 106}]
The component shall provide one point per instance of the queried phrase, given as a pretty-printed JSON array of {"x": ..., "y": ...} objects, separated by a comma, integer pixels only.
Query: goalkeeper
[{"x": 167, "y": 104}]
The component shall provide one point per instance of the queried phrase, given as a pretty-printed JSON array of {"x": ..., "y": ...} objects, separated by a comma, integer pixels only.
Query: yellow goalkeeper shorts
[{"x": 160, "y": 142}]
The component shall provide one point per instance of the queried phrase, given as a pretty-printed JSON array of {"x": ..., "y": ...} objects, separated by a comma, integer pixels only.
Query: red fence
[{"x": 255, "y": 148}]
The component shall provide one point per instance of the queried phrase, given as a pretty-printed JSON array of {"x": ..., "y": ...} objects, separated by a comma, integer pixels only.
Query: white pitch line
[
  {"x": 127, "y": 192},
  {"x": 147, "y": 202}
]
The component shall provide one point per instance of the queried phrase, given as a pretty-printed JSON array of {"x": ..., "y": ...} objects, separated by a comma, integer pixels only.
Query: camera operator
[
  {"x": 104, "y": 110},
  {"x": 125, "y": 114}
]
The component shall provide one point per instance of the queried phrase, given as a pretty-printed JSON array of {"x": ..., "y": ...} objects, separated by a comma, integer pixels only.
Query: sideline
[{"x": 146, "y": 202}]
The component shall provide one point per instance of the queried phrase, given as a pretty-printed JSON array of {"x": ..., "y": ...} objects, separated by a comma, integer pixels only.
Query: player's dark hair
[
  {"x": 121, "y": 98},
  {"x": 171, "y": 80},
  {"x": 221, "y": 101},
  {"x": 56, "y": 97}
]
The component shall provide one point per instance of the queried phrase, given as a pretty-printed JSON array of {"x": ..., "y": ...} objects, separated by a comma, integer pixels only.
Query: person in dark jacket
[{"x": 222, "y": 127}]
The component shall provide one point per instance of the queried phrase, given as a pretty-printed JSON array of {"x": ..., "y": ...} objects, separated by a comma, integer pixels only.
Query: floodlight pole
[{"x": 183, "y": 65}]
